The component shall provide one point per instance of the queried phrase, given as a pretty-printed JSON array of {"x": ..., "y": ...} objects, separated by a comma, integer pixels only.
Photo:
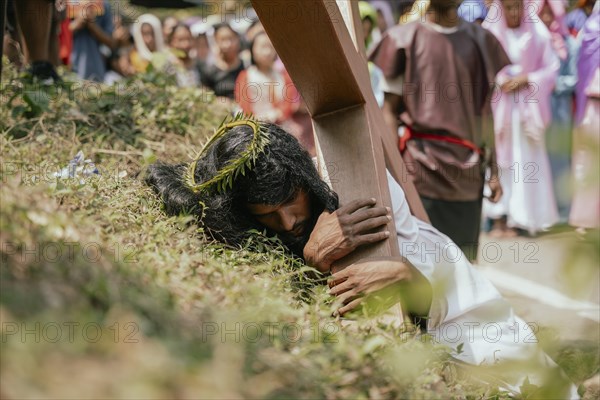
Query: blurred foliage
[{"x": 103, "y": 296}]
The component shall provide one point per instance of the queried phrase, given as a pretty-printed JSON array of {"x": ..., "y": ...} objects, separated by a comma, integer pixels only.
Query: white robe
[
  {"x": 466, "y": 308},
  {"x": 520, "y": 120}
]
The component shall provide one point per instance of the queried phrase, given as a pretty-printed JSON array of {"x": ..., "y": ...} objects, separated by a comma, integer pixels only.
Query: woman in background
[
  {"x": 576, "y": 18},
  {"x": 585, "y": 211},
  {"x": 522, "y": 114},
  {"x": 263, "y": 91},
  {"x": 180, "y": 43},
  {"x": 559, "y": 136},
  {"x": 220, "y": 75},
  {"x": 148, "y": 39}
]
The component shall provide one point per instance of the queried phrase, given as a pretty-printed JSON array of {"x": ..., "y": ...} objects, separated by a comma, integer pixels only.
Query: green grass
[{"x": 104, "y": 296}]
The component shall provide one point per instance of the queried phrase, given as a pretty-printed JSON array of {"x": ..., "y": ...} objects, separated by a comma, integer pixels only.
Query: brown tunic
[{"x": 447, "y": 81}]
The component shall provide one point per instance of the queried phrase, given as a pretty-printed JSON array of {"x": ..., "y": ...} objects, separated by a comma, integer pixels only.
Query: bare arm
[
  {"x": 77, "y": 24},
  {"x": 100, "y": 35},
  {"x": 494, "y": 181}
]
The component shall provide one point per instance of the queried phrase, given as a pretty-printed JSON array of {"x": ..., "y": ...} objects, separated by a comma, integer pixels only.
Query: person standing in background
[
  {"x": 585, "y": 210},
  {"x": 385, "y": 14},
  {"x": 522, "y": 113},
  {"x": 384, "y": 20},
  {"x": 35, "y": 20},
  {"x": 576, "y": 18},
  {"x": 92, "y": 27},
  {"x": 368, "y": 16},
  {"x": 559, "y": 136},
  {"x": 437, "y": 72},
  {"x": 473, "y": 11}
]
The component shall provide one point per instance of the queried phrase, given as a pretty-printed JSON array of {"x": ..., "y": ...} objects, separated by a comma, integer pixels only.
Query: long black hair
[{"x": 280, "y": 170}]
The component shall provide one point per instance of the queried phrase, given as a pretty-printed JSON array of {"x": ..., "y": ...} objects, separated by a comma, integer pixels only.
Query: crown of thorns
[{"x": 225, "y": 177}]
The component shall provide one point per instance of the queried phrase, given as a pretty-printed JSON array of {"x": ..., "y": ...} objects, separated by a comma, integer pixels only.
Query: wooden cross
[{"x": 326, "y": 65}]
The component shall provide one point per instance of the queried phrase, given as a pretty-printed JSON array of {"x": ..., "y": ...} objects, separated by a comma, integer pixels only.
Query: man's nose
[{"x": 287, "y": 219}]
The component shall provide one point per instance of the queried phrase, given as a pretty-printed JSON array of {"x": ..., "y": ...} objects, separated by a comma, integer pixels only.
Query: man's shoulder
[
  {"x": 477, "y": 31},
  {"x": 485, "y": 38}
]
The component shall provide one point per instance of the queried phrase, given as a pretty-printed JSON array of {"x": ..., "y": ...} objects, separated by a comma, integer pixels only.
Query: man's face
[
  {"x": 292, "y": 220},
  {"x": 289, "y": 218}
]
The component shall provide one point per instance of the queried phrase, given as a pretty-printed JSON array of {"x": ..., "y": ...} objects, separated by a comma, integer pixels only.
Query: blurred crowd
[{"x": 234, "y": 58}]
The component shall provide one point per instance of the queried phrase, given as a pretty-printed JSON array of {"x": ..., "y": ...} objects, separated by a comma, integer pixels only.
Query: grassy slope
[{"x": 100, "y": 253}]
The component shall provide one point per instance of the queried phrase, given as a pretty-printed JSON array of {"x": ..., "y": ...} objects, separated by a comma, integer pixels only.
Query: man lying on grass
[{"x": 256, "y": 176}]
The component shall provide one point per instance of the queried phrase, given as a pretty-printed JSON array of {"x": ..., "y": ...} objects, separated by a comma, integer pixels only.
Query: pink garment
[
  {"x": 558, "y": 9},
  {"x": 520, "y": 121},
  {"x": 558, "y": 28},
  {"x": 539, "y": 62}
]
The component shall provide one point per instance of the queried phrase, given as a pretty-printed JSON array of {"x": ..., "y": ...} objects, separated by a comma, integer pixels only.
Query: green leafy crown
[{"x": 226, "y": 176}]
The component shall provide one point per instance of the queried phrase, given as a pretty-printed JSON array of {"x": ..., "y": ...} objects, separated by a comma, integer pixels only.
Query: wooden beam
[
  {"x": 394, "y": 163},
  {"x": 328, "y": 69}
]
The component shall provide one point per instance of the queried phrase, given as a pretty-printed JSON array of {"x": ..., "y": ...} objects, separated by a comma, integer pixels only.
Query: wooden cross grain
[{"x": 317, "y": 49}]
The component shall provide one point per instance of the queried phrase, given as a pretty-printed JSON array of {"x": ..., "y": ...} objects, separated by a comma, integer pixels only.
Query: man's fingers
[
  {"x": 342, "y": 275},
  {"x": 350, "y": 306},
  {"x": 372, "y": 223},
  {"x": 357, "y": 205},
  {"x": 369, "y": 213},
  {"x": 348, "y": 296},
  {"x": 334, "y": 282},
  {"x": 341, "y": 288},
  {"x": 372, "y": 238}
]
